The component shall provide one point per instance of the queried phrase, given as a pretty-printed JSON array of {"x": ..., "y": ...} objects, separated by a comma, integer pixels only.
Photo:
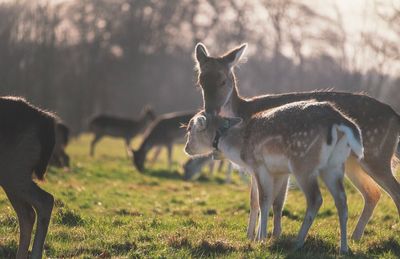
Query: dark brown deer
[
  {"x": 60, "y": 157},
  {"x": 164, "y": 131},
  {"x": 379, "y": 123},
  {"x": 106, "y": 125},
  {"x": 27, "y": 140}
]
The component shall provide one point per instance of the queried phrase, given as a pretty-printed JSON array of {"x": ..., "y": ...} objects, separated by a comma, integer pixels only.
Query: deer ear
[
  {"x": 233, "y": 57},
  {"x": 201, "y": 52},
  {"x": 231, "y": 122}
]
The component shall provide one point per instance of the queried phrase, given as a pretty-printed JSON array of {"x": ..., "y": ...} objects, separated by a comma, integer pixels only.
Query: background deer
[
  {"x": 26, "y": 143},
  {"x": 60, "y": 158},
  {"x": 305, "y": 139},
  {"x": 379, "y": 123},
  {"x": 164, "y": 131},
  {"x": 106, "y": 125},
  {"x": 192, "y": 167}
]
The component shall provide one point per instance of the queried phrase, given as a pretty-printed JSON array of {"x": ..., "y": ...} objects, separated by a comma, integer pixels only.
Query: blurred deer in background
[
  {"x": 166, "y": 130},
  {"x": 192, "y": 167},
  {"x": 27, "y": 140},
  {"x": 106, "y": 125}
]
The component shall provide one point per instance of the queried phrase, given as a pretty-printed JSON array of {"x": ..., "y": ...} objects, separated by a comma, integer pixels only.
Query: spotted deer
[
  {"x": 306, "y": 139},
  {"x": 379, "y": 123},
  {"x": 165, "y": 131},
  {"x": 27, "y": 140},
  {"x": 106, "y": 125}
]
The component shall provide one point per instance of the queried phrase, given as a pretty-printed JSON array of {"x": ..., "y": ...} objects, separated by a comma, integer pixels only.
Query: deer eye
[{"x": 223, "y": 83}]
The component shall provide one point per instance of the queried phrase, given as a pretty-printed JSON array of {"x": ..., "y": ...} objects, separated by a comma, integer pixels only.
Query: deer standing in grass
[
  {"x": 27, "y": 140},
  {"x": 60, "y": 158},
  {"x": 106, "y": 125},
  {"x": 166, "y": 130},
  {"x": 305, "y": 139},
  {"x": 379, "y": 123}
]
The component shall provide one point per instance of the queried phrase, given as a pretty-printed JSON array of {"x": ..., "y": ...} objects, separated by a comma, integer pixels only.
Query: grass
[{"x": 105, "y": 208}]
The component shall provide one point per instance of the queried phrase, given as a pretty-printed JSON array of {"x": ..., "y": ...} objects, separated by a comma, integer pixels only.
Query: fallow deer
[
  {"x": 193, "y": 166},
  {"x": 27, "y": 140},
  {"x": 306, "y": 139},
  {"x": 106, "y": 125},
  {"x": 60, "y": 157},
  {"x": 164, "y": 131},
  {"x": 379, "y": 123}
]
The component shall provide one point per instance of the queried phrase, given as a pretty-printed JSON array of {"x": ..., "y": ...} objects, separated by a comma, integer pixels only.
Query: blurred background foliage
[{"x": 85, "y": 57}]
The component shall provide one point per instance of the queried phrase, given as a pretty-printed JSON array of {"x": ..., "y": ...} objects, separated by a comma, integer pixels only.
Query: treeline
[{"x": 86, "y": 57}]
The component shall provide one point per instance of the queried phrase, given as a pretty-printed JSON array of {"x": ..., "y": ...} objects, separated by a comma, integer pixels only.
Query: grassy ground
[{"x": 105, "y": 208}]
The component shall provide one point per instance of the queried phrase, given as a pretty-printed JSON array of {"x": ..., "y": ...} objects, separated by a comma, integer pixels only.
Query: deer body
[
  {"x": 164, "y": 131},
  {"x": 305, "y": 139},
  {"x": 26, "y": 143},
  {"x": 378, "y": 122},
  {"x": 106, "y": 125}
]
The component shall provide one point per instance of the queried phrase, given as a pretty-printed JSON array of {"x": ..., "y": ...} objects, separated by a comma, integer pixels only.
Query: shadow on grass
[
  {"x": 8, "y": 251},
  {"x": 388, "y": 245}
]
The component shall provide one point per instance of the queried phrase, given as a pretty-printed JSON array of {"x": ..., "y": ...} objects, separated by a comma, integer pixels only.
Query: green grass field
[{"x": 105, "y": 208}]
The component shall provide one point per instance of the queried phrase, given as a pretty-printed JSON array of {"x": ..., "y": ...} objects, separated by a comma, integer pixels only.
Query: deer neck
[
  {"x": 230, "y": 144},
  {"x": 234, "y": 101}
]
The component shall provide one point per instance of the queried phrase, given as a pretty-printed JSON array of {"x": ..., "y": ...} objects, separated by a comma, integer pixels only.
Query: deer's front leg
[
  {"x": 265, "y": 184},
  {"x": 254, "y": 209}
]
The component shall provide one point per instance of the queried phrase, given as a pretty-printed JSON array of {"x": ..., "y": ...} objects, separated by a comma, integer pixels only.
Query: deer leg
[
  {"x": 334, "y": 181},
  {"x": 128, "y": 147},
  {"x": 155, "y": 156},
  {"x": 169, "y": 149},
  {"x": 309, "y": 185},
  {"x": 229, "y": 172},
  {"x": 26, "y": 219},
  {"x": 280, "y": 196},
  {"x": 93, "y": 144},
  {"x": 369, "y": 190},
  {"x": 384, "y": 178},
  {"x": 211, "y": 166},
  {"x": 265, "y": 184},
  {"x": 254, "y": 209},
  {"x": 43, "y": 204}
]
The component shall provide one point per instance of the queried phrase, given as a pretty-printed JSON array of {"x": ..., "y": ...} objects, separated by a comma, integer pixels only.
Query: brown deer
[
  {"x": 164, "y": 131},
  {"x": 379, "y": 123},
  {"x": 106, "y": 125},
  {"x": 306, "y": 139},
  {"x": 60, "y": 158},
  {"x": 27, "y": 140}
]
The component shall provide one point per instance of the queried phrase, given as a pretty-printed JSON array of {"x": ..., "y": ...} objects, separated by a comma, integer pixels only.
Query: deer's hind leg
[
  {"x": 254, "y": 209},
  {"x": 309, "y": 185},
  {"x": 26, "y": 219},
  {"x": 96, "y": 139},
  {"x": 369, "y": 190},
  {"x": 333, "y": 178},
  {"x": 42, "y": 202},
  {"x": 280, "y": 190}
]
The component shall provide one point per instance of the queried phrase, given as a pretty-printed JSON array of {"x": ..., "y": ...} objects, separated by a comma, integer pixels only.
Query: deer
[
  {"x": 306, "y": 139},
  {"x": 193, "y": 166},
  {"x": 165, "y": 131},
  {"x": 107, "y": 125},
  {"x": 379, "y": 123},
  {"x": 60, "y": 158},
  {"x": 27, "y": 139}
]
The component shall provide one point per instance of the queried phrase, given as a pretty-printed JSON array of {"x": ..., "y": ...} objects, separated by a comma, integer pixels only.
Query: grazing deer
[
  {"x": 306, "y": 139},
  {"x": 164, "y": 131},
  {"x": 27, "y": 139},
  {"x": 105, "y": 125},
  {"x": 60, "y": 158},
  {"x": 193, "y": 166},
  {"x": 379, "y": 123}
]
